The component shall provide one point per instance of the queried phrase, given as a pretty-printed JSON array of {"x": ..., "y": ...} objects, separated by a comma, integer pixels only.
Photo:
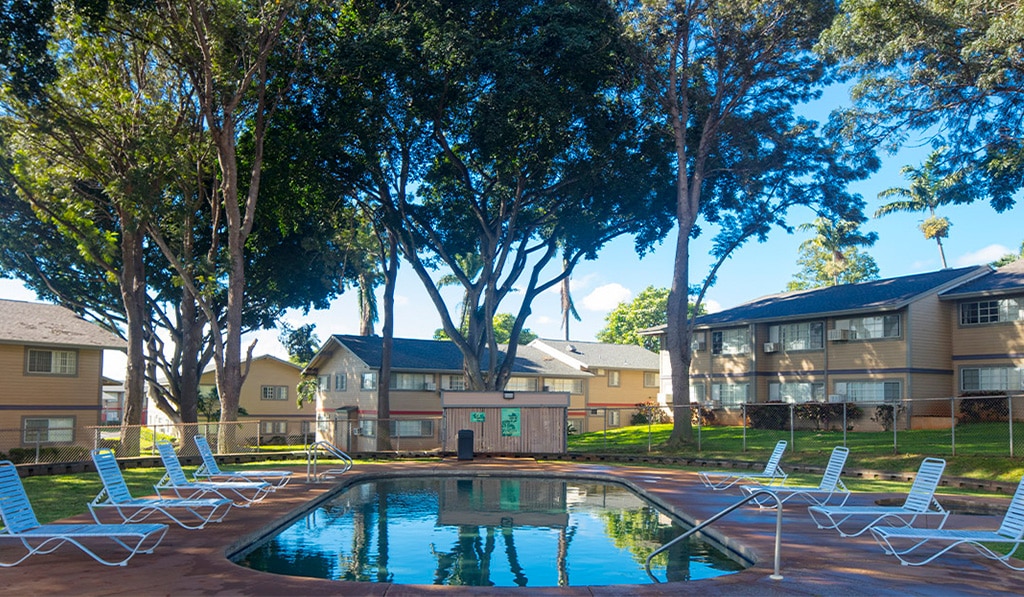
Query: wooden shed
[{"x": 507, "y": 422}]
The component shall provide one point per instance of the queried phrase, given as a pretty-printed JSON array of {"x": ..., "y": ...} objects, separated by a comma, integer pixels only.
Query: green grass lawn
[{"x": 982, "y": 451}]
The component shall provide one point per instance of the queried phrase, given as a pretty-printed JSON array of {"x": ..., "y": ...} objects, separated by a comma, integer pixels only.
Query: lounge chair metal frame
[
  {"x": 771, "y": 475},
  {"x": 1010, "y": 532},
  {"x": 116, "y": 496},
  {"x": 920, "y": 502},
  {"x": 830, "y": 485},
  {"x": 20, "y": 523},
  {"x": 209, "y": 470},
  {"x": 175, "y": 481}
]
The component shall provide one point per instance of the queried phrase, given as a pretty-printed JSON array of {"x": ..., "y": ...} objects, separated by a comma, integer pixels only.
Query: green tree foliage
[
  {"x": 1009, "y": 258},
  {"x": 725, "y": 77},
  {"x": 301, "y": 342},
  {"x": 504, "y": 130},
  {"x": 931, "y": 186},
  {"x": 625, "y": 322},
  {"x": 949, "y": 70},
  {"x": 832, "y": 256}
]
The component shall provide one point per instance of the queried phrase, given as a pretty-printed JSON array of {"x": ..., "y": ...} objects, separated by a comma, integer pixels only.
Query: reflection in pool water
[{"x": 485, "y": 531}]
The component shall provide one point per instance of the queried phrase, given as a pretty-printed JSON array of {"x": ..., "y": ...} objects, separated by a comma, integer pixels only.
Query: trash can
[{"x": 465, "y": 444}]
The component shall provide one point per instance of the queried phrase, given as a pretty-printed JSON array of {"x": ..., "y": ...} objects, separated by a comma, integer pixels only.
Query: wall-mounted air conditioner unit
[
  {"x": 771, "y": 346},
  {"x": 838, "y": 335}
]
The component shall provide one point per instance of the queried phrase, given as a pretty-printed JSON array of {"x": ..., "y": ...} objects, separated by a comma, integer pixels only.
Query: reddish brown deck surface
[{"x": 814, "y": 562}]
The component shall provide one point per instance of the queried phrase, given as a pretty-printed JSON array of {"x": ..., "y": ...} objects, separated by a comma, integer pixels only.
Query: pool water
[{"x": 486, "y": 531}]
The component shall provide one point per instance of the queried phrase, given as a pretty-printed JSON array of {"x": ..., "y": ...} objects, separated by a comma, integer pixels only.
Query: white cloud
[
  {"x": 607, "y": 297},
  {"x": 983, "y": 255},
  {"x": 712, "y": 306},
  {"x": 543, "y": 320}
]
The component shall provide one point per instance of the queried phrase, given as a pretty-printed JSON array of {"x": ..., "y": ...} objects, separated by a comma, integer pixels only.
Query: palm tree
[
  {"x": 568, "y": 306},
  {"x": 835, "y": 238},
  {"x": 931, "y": 186}
]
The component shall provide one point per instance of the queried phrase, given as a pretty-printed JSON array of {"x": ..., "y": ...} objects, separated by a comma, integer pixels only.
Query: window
[
  {"x": 651, "y": 379},
  {"x": 274, "y": 427},
  {"x": 992, "y": 311},
  {"x": 521, "y": 384},
  {"x": 613, "y": 379},
  {"x": 870, "y": 391},
  {"x": 729, "y": 394},
  {"x": 735, "y": 341},
  {"x": 808, "y": 335},
  {"x": 366, "y": 428},
  {"x": 991, "y": 378},
  {"x": 412, "y": 381},
  {"x": 273, "y": 392},
  {"x": 573, "y": 386},
  {"x": 323, "y": 382},
  {"x": 48, "y": 430},
  {"x": 340, "y": 382},
  {"x": 869, "y": 328},
  {"x": 52, "y": 362},
  {"x": 697, "y": 392},
  {"x": 612, "y": 417},
  {"x": 796, "y": 392},
  {"x": 699, "y": 342},
  {"x": 415, "y": 428},
  {"x": 453, "y": 382},
  {"x": 369, "y": 381}
]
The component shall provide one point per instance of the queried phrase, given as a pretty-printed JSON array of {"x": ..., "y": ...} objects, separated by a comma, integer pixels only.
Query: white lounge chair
[
  {"x": 920, "y": 502},
  {"x": 1009, "y": 533},
  {"x": 830, "y": 485},
  {"x": 772, "y": 474},
  {"x": 21, "y": 524},
  {"x": 116, "y": 496},
  {"x": 245, "y": 492},
  {"x": 209, "y": 470}
]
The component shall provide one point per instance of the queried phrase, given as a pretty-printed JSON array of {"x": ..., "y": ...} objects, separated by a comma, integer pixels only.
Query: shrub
[
  {"x": 702, "y": 416},
  {"x": 768, "y": 415},
  {"x": 981, "y": 410},
  {"x": 49, "y": 454},
  {"x": 824, "y": 414},
  {"x": 649, "y": 413},
  {"x": 885, "y": 414}
]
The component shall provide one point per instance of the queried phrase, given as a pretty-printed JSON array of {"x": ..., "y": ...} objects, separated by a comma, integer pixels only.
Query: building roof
[
  {"x": 592, "y": 355},
  {"x": 44, "y": 324},
  {"x": 889, "y": 294},
  {"x": 1008, "y": 279},
  {"x": 211, "y": 367},
  {"x": 439, "y": 356}
]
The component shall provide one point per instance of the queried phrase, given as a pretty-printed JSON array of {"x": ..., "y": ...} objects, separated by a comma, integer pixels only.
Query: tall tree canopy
[
  {"x": 931, "y": 186},
  {"x": 503, "y": 130},
  {"x": 725, "y": 77},
  {"x": 623, "y": 323},
  {"x": 832, "y": 256},
  {"x": 949, "y": 70}
]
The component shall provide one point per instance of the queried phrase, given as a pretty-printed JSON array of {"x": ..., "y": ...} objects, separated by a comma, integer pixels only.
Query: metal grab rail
[
  {"x": 778, "y": 532},
  {"x": 313, "y": 457}
]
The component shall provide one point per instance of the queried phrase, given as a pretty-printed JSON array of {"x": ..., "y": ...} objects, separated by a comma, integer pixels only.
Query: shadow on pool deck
[{"x": 814, "y": 562}]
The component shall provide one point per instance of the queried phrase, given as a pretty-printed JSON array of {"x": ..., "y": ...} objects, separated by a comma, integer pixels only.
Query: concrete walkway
[{"x": 814, "y": 562}]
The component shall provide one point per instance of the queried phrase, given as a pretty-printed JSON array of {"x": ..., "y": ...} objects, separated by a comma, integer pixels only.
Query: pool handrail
[
  {"x": 778, "y": 532},
  {"x": 313, "y": 456}
]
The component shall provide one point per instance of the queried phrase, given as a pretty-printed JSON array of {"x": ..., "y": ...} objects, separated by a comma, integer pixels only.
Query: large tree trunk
[
  {"x": 384, "y": 387},
  {"x": 133, "y": 293}
]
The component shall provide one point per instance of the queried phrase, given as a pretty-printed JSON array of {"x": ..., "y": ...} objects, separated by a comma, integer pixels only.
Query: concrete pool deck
[{"x": 814, "y": 562}]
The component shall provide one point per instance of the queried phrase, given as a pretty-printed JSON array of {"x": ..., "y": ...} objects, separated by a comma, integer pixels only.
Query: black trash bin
[{"x": 465, "y": 444}]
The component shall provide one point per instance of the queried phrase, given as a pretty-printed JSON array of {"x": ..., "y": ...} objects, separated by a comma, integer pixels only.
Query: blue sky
[{"x": 978, "y": 235}]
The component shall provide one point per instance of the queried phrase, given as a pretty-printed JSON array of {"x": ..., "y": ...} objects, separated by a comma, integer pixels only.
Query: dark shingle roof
[
  {"x": 604, "y": 355},
  {"x": 1008, "y": 279},
  {"x": 23, "y": 322},
  {"x": 440, "y": 355},
  {"x": 876, "y": 295}
]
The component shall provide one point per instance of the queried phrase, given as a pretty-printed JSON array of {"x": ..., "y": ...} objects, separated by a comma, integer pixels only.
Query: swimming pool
[{"x": 485, "y": 531}]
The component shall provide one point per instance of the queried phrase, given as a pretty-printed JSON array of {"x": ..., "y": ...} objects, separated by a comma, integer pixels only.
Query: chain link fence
[
  {"x": 964, "y": 425},
  {"x": 73, "y": 444}
]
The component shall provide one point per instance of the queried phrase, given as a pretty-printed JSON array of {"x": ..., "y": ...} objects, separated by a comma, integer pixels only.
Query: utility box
[{"x": 465, "y": 444}]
